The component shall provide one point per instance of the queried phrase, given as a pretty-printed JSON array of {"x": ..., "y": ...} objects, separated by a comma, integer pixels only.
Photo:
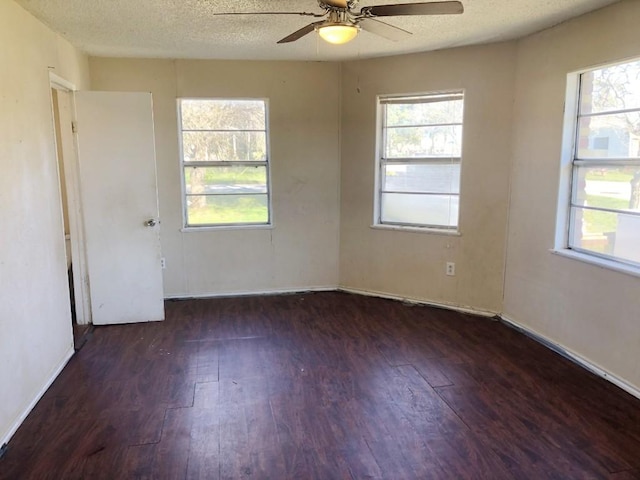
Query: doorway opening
[{"x": 62, "y": 107}]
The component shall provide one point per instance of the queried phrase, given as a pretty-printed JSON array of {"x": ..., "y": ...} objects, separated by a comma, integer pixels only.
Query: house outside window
[
  {"x": 602, "y": 158},
  {"x": 419, "y": 159},
  {"x": 224, "y": 150}
]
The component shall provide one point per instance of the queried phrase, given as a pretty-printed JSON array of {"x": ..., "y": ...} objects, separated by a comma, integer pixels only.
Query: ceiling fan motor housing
[
  {"x": 337, "y": 4},
  {"x": 341, "y": 17}
]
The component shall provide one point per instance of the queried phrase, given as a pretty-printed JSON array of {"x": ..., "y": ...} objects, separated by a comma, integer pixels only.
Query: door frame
[{"x": 74, "y": 206}]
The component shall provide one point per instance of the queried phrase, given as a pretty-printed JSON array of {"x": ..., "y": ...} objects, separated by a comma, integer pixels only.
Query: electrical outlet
[
  {"x": 451, "y": 269},
  {"x": 163, "y": 264}
]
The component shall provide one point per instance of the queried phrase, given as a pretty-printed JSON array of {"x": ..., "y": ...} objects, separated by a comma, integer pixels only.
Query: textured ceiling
[{"x": 188, "y": 28}]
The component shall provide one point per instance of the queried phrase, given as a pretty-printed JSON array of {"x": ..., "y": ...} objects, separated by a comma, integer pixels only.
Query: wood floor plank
[
  {"x": 247, "y": 439},
  {"x": 462, "y": 456},
  {"x": 172, "y": 452},
  {"x": 207, "y": 395},
  {"x": 324, "y": 386},
  {"x": 138, "y": 463},
  {"x": 204, "y": 449},
  {"x": 107, "y": 463},
  {"x": 626, "y": 475}
]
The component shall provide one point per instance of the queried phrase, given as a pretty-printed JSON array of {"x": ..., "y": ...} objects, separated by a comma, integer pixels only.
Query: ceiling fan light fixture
[{"x": 338, "y": 33}]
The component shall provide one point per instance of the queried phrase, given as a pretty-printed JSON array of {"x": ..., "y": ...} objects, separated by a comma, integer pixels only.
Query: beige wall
[
  {"x": 301, "y": 250},
  {"x": 589, "y": 310},
  {"x": 410, "y": 264},
  {"x": 35, "y": 318}
]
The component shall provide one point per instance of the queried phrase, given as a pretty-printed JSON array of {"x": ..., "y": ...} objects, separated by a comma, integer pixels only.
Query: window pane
[
  {"x": 426, "y": 130},
  {"x": 615, "y": 188},
  {"x": 424, "y": 113},
  {"x": 612, "y": 234},
  {"x": 439, "y": 178},
  {"x": 434, "y": 210},
  {"x": 225, "y": 130},
  {"x": 227, "y": 209},
  {"x": 612, "y": 88},
  {"x": 225, "y": 180},
  {"x": 224, "y": 146},
  {"x": 412, "y": 142},
  {"x": 609, "y": 136},
  {"x": 605, "y": 198},
  {"x": 201, "y": 114}
]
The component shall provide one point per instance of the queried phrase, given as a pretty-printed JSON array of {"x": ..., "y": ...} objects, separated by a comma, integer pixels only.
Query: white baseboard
[
  {"x": 248, "y": 293},
  {"x": 573, "y": 356},
  {"x": 54, "y": 374},
  {"x": 418, "y": 301}
]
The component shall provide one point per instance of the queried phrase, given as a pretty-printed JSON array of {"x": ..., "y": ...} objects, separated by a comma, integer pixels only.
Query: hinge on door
[{"x": 74, "y": 127}]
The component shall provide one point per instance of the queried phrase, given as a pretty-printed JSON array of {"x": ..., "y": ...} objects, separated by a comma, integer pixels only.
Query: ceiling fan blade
[
  {"x": 304, "y": 14},
  {"x": 300, "y": 33},
  {"x": 336, "y": 3},
  {"x": 427, "y": 8},
  {"x": 385, "y": 30}
]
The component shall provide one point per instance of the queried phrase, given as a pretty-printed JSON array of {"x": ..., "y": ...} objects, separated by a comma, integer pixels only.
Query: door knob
[{"x": 152, "y": 222}]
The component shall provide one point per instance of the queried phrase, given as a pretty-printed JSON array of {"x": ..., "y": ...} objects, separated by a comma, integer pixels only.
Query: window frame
[
  {"x": 186, "y": 227},
  {"x": 568, "y": 177},
  {"x": 381, "y": 162}
]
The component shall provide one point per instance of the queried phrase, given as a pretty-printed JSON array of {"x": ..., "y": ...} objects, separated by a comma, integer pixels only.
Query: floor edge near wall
[
  {"x": 419, "y": 301},
  {"x": 573, "y": 356},
  {"x": 250, "y": 293},
  {"x": 21, "y": 418},
  {"x": 333, "y": 288}
]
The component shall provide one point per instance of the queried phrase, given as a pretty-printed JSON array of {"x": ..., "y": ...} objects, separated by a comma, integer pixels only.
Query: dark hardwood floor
[
  {"x": 324, "y": 386},
  {"x": 81, "y": 334}
]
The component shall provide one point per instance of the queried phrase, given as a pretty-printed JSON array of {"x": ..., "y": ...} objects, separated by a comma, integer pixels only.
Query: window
[
  {"x": 224, "y": 150},
  {"x": 419, "y": 152},
  {"x": 603, "y": 143}
]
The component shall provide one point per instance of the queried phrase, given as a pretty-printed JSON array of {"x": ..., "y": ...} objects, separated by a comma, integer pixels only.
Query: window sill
[
  {"x": 212, "y": 228},
  {"x": 433, "y": 231},
  {"x": 600, "y": 262}
]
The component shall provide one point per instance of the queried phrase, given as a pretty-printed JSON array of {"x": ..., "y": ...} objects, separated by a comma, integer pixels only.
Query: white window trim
[
  {"x": 570, "y": 125},
  {"x": 597, "y": 261},
  {"x": 566, "y": 160},
  {"x": 408, "y": 228},
  {"x": 216, "y": 228},
  {"x": 240, "y": 226},
  {"x": 377, "y": 222}
]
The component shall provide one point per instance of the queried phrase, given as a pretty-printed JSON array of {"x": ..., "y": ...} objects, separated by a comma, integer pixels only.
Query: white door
[{"x": 116, "y": 157}]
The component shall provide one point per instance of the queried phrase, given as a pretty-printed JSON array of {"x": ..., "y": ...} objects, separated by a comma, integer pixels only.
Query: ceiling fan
[{"x": 342, "y": 23}]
